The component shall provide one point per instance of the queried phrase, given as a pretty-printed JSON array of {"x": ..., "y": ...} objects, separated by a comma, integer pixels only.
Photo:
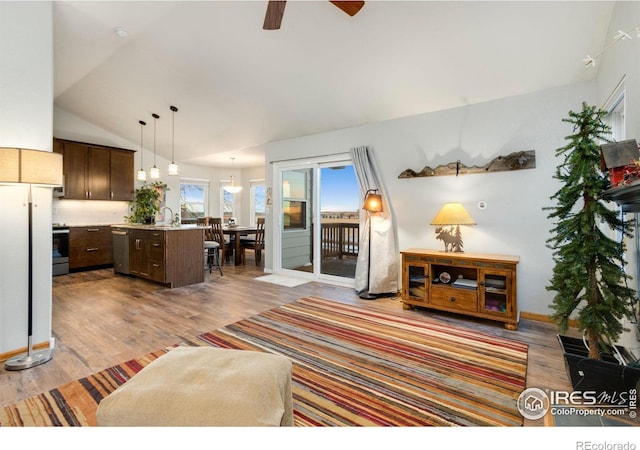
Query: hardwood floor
[{"x": 101, "y": 319}]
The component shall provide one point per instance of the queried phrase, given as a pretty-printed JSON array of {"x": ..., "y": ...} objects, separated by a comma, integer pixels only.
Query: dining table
[{"x": 236, "y": 232}]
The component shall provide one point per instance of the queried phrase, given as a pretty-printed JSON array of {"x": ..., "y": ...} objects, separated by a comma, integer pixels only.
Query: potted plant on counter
[
  {"x": 588, "y": 277},
  {"x": 146, "y": 203}
]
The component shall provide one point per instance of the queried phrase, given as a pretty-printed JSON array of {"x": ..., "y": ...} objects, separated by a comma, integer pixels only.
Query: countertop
[{"x": 161, "y": 227}]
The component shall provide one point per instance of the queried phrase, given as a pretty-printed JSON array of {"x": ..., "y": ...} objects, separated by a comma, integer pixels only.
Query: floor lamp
[
  {"x": 372, "y": 204},
  {"x": 39, "y": 168}
]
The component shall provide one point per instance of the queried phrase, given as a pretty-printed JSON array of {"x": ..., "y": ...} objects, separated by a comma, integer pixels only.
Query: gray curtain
[{"x": 383, "y": 248}]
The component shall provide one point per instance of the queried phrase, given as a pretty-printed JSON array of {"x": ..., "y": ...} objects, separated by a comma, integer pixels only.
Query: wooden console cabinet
[{"x": 478, "y": 285}]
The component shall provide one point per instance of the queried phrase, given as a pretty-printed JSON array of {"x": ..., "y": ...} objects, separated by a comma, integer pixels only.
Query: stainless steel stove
[{"x": 60, "y": 250}]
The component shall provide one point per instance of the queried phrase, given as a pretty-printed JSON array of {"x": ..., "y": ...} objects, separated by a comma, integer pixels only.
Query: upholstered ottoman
[{"x": 204, "y": 386}]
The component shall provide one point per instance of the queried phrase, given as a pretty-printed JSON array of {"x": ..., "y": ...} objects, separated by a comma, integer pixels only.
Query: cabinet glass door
[
  {"x": 416, "y": 282},
  {"x": 494, "y": 292}
]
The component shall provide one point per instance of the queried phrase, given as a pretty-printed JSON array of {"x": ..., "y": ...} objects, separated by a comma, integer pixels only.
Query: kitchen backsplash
[{"x": 87, "y": 212}]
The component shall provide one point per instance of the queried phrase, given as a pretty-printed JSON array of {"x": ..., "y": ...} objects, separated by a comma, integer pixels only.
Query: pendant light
[
  {"x": 232, "y": 188},
  {"x": 154, "y": 172},
  {"x": 173, "y": 167},
  {"x": 142, "y": 175}
]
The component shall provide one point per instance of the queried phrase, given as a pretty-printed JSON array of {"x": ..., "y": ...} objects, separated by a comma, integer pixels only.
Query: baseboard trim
[
  {"x": 544, "y": 318},
  {"x": 8, "y": 355}
]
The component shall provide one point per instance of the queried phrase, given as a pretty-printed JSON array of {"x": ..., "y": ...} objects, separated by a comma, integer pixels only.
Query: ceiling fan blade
[
  {"x": 350, "y": 8},
  {"x": 273, "y": 17}
]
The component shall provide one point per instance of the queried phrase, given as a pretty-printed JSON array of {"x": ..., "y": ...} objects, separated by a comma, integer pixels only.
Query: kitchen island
[{"x": 172, "y": 256}]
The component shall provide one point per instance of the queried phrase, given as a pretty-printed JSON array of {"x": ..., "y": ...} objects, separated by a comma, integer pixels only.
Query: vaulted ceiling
[{"x": 238, "y": 86}]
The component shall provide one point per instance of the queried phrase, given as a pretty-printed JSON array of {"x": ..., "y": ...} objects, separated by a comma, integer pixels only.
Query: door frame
[{"x": 304, "y": 163}]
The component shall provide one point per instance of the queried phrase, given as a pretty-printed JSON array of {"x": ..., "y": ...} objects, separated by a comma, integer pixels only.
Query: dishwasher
[{"x": 120, "y": 250}]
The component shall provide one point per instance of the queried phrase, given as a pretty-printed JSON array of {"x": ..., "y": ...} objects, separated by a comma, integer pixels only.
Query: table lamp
[{"x": 454, "y": 215}]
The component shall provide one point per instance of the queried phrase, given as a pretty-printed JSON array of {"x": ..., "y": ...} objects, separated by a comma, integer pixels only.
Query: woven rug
[{"x": 352, "y": 366}]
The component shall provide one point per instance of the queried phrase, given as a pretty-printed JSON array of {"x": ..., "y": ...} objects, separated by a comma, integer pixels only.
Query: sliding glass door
[
  {"x": 339, "y": 220},
  {"x": 297, "y": 206},
  {"x": 318, "y": 218}
]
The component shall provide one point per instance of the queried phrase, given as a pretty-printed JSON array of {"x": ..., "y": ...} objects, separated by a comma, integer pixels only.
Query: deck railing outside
[{"x": 339, "y": 239}]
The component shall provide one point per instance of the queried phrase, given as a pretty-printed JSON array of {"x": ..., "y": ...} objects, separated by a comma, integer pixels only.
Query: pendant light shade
[
  {"x": 142, "y": 175},
  {"x": 173, "y": 167},
  {"x": 154, "y": 172},
  {"x": 232, "y": 188}
]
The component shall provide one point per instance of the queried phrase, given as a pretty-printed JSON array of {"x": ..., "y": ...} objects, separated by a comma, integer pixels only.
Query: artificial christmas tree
[{"x": 589, "y": 275}]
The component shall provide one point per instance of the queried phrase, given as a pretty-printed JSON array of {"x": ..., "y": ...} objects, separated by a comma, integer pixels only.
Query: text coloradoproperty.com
[{"x": 566, "y": 411}]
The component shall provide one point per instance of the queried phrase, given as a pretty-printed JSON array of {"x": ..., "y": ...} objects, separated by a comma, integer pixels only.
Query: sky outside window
[{"x": 339, "y": 190}]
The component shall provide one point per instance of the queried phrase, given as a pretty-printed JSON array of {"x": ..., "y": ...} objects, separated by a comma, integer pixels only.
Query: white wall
[
  {"x": 513, "y": 222},
  {"x": 26, "y": 90}
]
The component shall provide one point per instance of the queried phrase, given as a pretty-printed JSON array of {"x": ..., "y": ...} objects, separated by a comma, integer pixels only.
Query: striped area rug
[{"x": 353, "y": 366}]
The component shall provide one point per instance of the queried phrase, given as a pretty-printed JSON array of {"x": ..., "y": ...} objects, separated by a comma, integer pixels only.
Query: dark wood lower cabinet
[
  {"x": 90, "y": 247},
  {"x": 173, "y": 257}
]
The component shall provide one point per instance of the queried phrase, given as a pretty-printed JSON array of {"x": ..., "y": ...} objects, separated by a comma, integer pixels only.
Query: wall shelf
[{"x": 627, "y": 196}]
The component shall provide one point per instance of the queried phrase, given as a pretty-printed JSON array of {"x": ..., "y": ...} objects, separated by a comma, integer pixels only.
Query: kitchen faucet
[{"x": 174, "y": 220}]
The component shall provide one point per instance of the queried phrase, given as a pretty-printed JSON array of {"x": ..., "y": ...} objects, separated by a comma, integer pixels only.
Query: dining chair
[
  {"x": 212, "y": 247},
  {"x": 218, "y": 235},
  {"x": 203, "y": 221},
  {"x": 256, "y": 243}
]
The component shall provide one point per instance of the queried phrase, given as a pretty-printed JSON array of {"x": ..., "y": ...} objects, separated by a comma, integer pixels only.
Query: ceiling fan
[{"x": 275, "y": 11}]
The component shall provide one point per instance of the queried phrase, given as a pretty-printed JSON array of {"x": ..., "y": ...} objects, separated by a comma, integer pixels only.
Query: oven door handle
[{"x": 60, "y": 231}]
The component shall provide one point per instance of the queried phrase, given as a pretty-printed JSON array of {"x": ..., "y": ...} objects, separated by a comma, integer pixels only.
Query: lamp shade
[
  {"x": 18, "y": 165},
  {"x": 372, "y": 201},
  {"x": 453, "y": 214},
  {"x": 232, "y": 188}
]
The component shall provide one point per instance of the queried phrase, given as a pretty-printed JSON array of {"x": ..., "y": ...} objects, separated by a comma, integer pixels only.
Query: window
[
  {"x": 294, "y": 200},
  {"x": 615, "y": 107},
  {"x": 227, "y": 202},
  {"x": 295, "y": 215},
  {"x": 258, "y": 200},
  {"x": 194, "y": 196},
  {"x": 615, "y": 119}
]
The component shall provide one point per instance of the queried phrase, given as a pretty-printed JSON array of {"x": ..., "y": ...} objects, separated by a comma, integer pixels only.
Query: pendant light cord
[
  {"x": 155, "y": 119},
  {"x": 173, "y": 132}
]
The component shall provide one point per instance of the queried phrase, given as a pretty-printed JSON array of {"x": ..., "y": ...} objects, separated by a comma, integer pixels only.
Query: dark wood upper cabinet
[
  {"x": 93, "y": 172},
  {"x": 122, "y": 181},
  {"x": 99, "y": 174},
  {"x": 75, "y": 165}
]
